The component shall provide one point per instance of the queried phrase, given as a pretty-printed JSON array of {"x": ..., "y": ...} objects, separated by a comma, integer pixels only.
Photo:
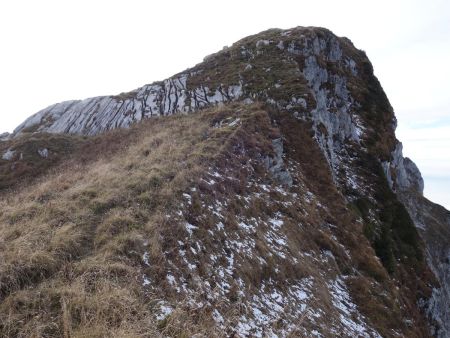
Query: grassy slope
[
  {"x": 72, "y": 242},
  {"x": 66, "y": 241},
  {"x": 27, "y": 163}
]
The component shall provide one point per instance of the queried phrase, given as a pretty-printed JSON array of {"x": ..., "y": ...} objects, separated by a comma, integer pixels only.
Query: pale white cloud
[
  {"x": 55, "y": 50},
  {"x": 437, "y": 190}
]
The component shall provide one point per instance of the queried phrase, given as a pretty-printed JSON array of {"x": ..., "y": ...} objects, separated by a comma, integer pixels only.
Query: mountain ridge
[{"x": 324, "y": 87}]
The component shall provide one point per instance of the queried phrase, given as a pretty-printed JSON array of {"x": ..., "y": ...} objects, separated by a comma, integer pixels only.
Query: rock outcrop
[
  {"x": 8, "y": 155},
  {"x": 402, "y": 173},
  {"x": 433, "y": 222},
  {"x": 275, "y": 165},
  {"x": 98, "y": 114}
]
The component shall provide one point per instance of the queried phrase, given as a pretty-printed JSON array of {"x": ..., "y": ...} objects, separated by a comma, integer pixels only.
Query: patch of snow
[
  {"x": 276, "y": 223},
  {"x": 190, "y": 228},
  {"x": 145, "y": 258},
  {"x": 220, "y": 226},
  {"x": 235, "y": 122},
  {"x": 188, "y": 197},
  {"x": 216, "y": 174},
  {"x": 146, "y": 280},
  {"x": 171, "y": 280},
  {"x": 352, "y": 321},
  {"x": 165, "y": 310},
  {"x": 247, "y": 227},
  {"x": 217, "y": 317}
]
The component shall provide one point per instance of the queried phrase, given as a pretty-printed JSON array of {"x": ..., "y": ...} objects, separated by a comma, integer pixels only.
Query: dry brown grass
[
  {"x": 67, "y": 241},
  {"x": 72, "y": 241}
]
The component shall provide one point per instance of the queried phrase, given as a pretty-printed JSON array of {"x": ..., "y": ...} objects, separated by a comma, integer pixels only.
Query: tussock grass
[{"x": 71, "y": 242}]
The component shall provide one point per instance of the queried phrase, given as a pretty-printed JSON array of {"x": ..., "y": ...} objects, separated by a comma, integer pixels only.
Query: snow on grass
[
  {"x": 234, "y": 123},
  {"x": 171, "y": 280},
  {"x": 271, "y": 306},
  {"x": 276, "y": 223},
  {"x": 217, "y": 317},
  {"x": 145, "y": 258},
  {"x": 243, "y": 246},
  {"x": 352, "y": 321},
  {"x": 230, "y": 267},
  {"x": 165, "y": 310},
  {"x": 146, "y": 280},
  {"x": 190, "y": 228},
  {"x": 246, "y": 227},
  {"x": 215, "y": 174},
  {"x": 210, "y": 182},
  {"x": 275, "y": 238},
  {"x": 309, "y": 196},
  {"x": 188, "y": 198},
  {"x": 220, "y": 226}
]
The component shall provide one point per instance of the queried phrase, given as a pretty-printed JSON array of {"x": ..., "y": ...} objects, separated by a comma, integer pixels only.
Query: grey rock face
[
  {"x": 402, "y": 173},
  {"x": 4, "y": 136},
  {"x": 99, "y": 114},
  {"x": 433, "y": 223},
  {"x": 335, "y": 109},
  {"x": 405, "y": 179},
  {"x": 438, "y": 307},
  {"x": 414, "y": 176},
  {"x": 8, "y": 155},
  {"x": 335, "y": 112},
  {"x": 276, "y": 165}
]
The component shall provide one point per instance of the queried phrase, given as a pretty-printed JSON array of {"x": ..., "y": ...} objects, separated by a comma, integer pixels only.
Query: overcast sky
[{"x": 58, "y": 50}]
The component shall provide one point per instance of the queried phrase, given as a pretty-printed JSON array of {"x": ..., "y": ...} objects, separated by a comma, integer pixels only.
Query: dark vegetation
[{"x": 27, "y": 163}]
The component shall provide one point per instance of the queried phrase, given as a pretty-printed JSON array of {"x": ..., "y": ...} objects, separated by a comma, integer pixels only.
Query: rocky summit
[{"x": 261, "y": 193}]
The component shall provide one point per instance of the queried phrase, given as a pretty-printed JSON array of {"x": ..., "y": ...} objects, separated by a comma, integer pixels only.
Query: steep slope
[
  {"x": 195, "y": 234},
  {"x": 433, "y": 222},
  {"x": 289, "y": 211},
  {"x": 31, "y": 154}
]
